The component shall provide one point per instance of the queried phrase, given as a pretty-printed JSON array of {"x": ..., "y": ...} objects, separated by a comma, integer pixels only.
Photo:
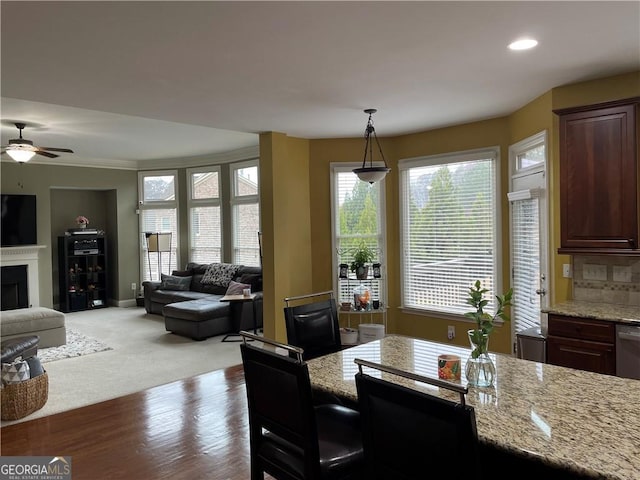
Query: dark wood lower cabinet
[
  {"x": 582, "y": 343},
  {"x": 581, "y": 354}
]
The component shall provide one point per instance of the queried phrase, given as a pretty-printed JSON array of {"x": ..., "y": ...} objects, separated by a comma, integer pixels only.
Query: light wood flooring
[{"x": 195, "y": 428}]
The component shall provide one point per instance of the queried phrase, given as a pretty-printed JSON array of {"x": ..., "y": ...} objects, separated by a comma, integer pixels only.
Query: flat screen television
[{"x": 18, "y": 220}]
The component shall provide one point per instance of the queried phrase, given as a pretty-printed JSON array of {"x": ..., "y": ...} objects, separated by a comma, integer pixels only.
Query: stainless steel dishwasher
[{"x": 628, "y": 351}]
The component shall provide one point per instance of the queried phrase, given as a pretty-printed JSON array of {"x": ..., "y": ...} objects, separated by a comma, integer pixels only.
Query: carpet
[
  {"x": 77, "y": 345},
  {"x": 137, "y": 340}
]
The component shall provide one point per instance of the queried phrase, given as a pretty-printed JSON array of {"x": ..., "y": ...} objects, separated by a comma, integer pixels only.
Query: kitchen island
[{"x": 553, "y": 420}]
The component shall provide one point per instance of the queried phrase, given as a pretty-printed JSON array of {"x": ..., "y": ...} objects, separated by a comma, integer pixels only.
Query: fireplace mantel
[{"x": 25, "y": 255}]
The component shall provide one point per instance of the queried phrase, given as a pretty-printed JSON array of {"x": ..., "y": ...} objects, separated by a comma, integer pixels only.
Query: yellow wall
[
  {"x": 286, "y": 233},
  {"x": 502, "y": 132}
]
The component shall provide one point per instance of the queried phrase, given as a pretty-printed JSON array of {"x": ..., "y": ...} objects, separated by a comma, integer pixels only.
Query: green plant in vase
[
  {"x": 363, "y": 255},
  {"x": 480, "y": 370}
]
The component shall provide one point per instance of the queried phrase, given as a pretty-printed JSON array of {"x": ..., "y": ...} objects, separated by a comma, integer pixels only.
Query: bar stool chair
[
  {"x": 406, "y": 432},
  {"x": 313, "y": 325},
  {"x": 291, "y": 439}
]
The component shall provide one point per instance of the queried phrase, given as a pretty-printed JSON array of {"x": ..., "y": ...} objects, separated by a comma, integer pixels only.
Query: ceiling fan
[{"x": 22, "y": 150}]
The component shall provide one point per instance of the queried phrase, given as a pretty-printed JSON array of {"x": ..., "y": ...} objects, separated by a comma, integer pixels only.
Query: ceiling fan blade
[
  {"x": 46, "y": 154},
  {"x": 51, "y": 149}
]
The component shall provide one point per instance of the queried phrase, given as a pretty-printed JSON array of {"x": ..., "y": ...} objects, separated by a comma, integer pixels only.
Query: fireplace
[
  {"x": 14, "y": 287},
  {"x": 20, "y": 277}
]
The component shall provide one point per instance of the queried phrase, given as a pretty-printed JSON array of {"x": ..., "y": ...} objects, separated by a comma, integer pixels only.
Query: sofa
[{"x": 189, "y": 299}]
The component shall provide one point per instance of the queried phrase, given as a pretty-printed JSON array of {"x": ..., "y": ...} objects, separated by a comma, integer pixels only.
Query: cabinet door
[
  {"x": 581, "y": 354},
  {"x": 598, "y": 178}
]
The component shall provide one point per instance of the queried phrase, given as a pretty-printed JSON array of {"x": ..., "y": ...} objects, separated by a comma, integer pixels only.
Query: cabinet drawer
[{"x": 582, "y": 328}]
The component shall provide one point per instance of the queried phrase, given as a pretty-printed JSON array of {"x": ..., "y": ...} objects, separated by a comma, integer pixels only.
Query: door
[{"x": 528, "y": 233}]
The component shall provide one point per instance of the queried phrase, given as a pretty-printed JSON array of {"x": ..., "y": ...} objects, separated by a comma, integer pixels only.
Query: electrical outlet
[
  {"x": 621, "y": 273},
  {"x": 592, "y": 271},
  {"x": 566, "y": 270},
  {"x": 134, "y": 286},
  {"x": 451, "y": 332}
]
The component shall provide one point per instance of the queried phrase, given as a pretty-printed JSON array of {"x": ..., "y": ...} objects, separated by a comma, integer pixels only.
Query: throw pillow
[
  {"x": 236, "y": 288},
  {"x": 172, "y": 282},
  {"x": 254, "y": 279},
  {"x": 182, "y": 273},
  {"x": 220, "y": 274},
  {"x": 15, "y": 372},
  {"x": 35, "y": 367}
]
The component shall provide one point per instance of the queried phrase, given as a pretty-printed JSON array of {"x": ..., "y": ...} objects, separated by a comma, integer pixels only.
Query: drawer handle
[{"x": 632, "y": 242}]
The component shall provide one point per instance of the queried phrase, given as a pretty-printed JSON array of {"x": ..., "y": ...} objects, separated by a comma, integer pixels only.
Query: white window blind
[
  {"x": 205, "y": 223},
  {"x": 245, "y": 210},
  {"x": 357, "y": 209},
  {"x": 525, "y": 266},
  {"x": 448, "y": 229}
]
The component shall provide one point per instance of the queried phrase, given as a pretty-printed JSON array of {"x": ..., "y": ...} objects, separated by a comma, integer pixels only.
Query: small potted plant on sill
[
  {"x": 480, "y": 370},
  {"x": 363, "y": 256}
]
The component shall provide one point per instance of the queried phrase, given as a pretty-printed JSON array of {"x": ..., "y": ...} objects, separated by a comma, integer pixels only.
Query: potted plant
[
  {"x": 363, "y": 255},
  {"x": 480, "y": 370}
]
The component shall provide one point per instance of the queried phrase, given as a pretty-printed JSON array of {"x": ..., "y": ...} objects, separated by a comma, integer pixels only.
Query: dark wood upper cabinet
[{"x": 599, "y": 178}]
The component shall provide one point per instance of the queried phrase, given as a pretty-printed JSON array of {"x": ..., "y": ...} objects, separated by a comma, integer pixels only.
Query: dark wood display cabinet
[
  {"x": 582, "y": 343},
  {"x": 83, "y": 276},
  {"x": 599, "y": 178}
]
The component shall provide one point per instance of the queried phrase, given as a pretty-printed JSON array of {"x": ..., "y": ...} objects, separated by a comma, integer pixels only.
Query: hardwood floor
[{"x": 193, "y": 429}]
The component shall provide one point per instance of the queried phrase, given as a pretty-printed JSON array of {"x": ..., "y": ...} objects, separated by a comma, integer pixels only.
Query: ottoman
[
  {"x": 197, "y": 319},
  {"x": 44, "y": 322}
]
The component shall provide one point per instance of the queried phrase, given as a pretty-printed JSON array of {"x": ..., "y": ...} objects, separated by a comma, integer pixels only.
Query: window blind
[
  {"x": 525, "y": 311},
  {"x": 448, "y": 230}
]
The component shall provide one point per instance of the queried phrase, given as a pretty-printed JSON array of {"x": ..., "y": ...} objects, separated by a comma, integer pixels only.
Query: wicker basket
[{"x": 24, "y": 398}]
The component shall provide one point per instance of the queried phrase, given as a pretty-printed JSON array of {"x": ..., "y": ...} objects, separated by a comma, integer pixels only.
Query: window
[
  {"x": 205, "y": 222},
  {"x": 158, "y": 214},
  {"x": 245, "y": 213},
  {"x": 357, "y": 217},
  {"x": 528, "y": 221},
  {"x": 449, "y": 224}
]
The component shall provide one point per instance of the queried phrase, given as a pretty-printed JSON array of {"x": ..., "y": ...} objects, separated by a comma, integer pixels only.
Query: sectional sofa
[{"x": 189, "y": 300}]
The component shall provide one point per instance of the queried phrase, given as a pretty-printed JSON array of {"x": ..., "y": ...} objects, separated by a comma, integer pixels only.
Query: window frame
[
  {"x": 343, "y": 167},
  {"x": 204, "y": 202},
  {"x": 236, "y": 200},
  {"x": 404, "y": 165},
  {"x": 158, "y": 205}
]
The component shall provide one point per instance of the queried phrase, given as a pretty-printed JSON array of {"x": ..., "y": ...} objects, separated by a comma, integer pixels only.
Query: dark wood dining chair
[
  {"x": 312, "y": 324},
  {"x": 406, "y": 433},
  {"x": 290, "y": 438}
]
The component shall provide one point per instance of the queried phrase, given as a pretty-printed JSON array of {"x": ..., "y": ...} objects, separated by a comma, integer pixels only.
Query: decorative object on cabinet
[
  {"x": 371, "y": 174},
  {"x": 376, "y": 270},
  {"x": 362, "y": 256},
  {"x": 83, "y": 277},
  {"x": 158, "y": 243},
  {"x": 82, "y": 221},
  {"x": 599, "y": 178},
  {"x": 480, "y": 370},
  {"x": 343, "y": 271}
]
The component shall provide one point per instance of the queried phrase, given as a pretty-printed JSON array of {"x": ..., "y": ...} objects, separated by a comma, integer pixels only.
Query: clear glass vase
[{"x": 480, "y": 370}]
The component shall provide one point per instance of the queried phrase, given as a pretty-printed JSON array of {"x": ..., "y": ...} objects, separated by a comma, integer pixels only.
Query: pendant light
[{"x": 371, "y": 174}]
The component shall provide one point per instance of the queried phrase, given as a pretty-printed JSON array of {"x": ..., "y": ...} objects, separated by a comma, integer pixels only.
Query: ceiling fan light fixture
[
  {"x": 370, "y": 173},
  {"x": 21, "y": 153}
]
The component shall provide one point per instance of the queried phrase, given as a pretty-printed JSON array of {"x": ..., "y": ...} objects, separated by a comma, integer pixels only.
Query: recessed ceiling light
[{"x": 523, "y": 44}]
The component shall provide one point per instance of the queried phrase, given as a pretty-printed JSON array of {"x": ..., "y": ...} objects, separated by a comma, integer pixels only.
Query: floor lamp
[{"x": 158, "y": 243}]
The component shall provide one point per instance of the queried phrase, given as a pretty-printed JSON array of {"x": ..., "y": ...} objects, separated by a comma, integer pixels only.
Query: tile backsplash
[{"x": 607, "y": 279}]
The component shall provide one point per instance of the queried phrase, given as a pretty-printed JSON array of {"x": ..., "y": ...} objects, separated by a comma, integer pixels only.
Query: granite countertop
[
  {"x": 601, "y": 311},
  {"x": 570, "y": 419}
]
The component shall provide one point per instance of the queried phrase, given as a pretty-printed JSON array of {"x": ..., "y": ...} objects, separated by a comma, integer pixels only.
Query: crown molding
[{"x": 245, "y": 153}]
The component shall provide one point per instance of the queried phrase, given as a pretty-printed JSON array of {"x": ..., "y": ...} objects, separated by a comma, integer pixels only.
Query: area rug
[{"x": 76, "y": 346}]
